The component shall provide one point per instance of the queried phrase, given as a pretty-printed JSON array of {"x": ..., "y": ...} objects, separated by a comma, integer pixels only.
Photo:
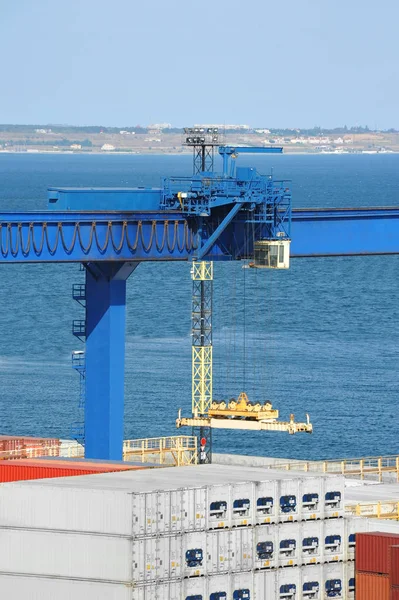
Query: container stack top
[{"x": 146, "y": 480}]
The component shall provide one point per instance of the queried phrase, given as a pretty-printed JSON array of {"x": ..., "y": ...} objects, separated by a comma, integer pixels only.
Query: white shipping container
[
  {"x": 171, "y": 590},
  {"x": 265, "y": 583},
  {"x": 218, "y": 507},
  {"x": 219, "y": 551},
  {"x": 68, "y": 555},
  {"x": 289, "y": 544},
  {"x": 266, "y": 503},
  {"x": 288, "y": 498},
  {"x": 311, "y": 498},
  {"x": 194, "y": 554},
  {"x": 350, "y": 580},
  {"x": 169, "y": 557},
  {"x": 156, "y": 559},
  {"x": 266, "y": 547},
  {"x": 334, "y": 581},
  {"x": 217, "y": 588},
  {"x": 169, "y": 511},
  {"x": 166, "y": 501},
  {"x": 353, "y": 525},
  {"x": 334, "y": 542},
  {"x": 242, "y": 586},
  {"x": 288, "y": 584},
  {"x": 334, "y": 493},
  {"x": 311, "y": 542},
  {"x": 242, "y": 548},
  {"x": 312, "y": 582},
  {"x": 20, "y": 587},
  {"x": 33, "y": 506},
  {"x": 242, "y": 496}
]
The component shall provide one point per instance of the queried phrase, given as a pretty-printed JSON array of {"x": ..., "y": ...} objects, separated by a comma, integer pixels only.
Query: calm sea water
[{"x": 321, "y": 338}]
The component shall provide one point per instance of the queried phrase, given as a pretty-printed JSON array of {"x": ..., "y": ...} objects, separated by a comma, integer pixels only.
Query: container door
[
  {"x": 311, "y": 542},
  {"x": 289, "y": 544},
  {"x": 334, "y": 489},
  {"x": 242, "y": 508},
  {"x": 194, "y": 554},
  {"x": 311, "y": 498},
  {"x": 266, "y": 502},
  {"x": 334, "y": 540},
  {"x": 266, "y": 547},
  {"x": 289, "y": 500},
  {"x": 218, "y": 506},
  {"x": 242, "y": 548}
]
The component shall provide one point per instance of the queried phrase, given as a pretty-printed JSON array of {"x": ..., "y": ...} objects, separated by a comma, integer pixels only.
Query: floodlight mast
[{"x": 203, "y": 141}]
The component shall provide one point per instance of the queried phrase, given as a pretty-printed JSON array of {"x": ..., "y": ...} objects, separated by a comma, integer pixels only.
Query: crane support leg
[{"x": 105, "y": 358}]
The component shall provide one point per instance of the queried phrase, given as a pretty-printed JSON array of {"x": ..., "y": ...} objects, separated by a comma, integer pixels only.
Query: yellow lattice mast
[{"x": 202, "y": 276}]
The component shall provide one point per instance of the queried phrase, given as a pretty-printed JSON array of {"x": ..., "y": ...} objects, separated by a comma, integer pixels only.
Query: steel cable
[
  {"x": 103, "y": 248},
  {"x": 133, "y": 247},
  {"x": 165, "y": 227},
  {"x": 25, "y": 251},
  {"x": 179, "y": 247},
  {"x": 147, "y": 248},
  {"x": 13, "y": 252},
  {"x": 36, "y": 250},
  {"x": 69, "y": 249},
  {"x": 86, "y": 249},
  {"x": 174, "y": 239}
]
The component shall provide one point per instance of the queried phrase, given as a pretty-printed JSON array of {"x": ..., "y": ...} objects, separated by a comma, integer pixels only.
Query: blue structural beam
[
  {"x": 125, "y": 236},
  {"x": 94, "y": 236},
  {"x": 105, "y": 358},
  {"x": 345, "y": 231}
]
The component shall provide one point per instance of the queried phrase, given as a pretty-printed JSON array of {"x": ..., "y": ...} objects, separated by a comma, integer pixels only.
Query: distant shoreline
[{"x": 121, "y": 153}]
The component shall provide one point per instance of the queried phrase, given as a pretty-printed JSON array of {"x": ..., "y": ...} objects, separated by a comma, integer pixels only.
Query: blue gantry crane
[{"x": 231, "y": 215}]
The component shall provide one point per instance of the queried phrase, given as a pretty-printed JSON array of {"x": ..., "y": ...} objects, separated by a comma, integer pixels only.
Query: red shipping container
[
  {"x": 394, "y": 593},
  {"x": 370, "y": 586},
  {"x": 22, "y": 470},
  {"x": 394, "y": 565},
  {"x": 372, "y": 551}
]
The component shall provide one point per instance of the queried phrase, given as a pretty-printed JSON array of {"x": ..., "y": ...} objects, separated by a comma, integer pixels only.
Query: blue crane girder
[
  {"x": 69, "y": 236},
  {"x": 208, "y": 216}
]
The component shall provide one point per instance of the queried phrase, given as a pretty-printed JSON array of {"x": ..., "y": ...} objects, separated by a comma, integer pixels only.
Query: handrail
[
  {"x": 372, "y": 465},
  {"x": 388, "y": 509}
]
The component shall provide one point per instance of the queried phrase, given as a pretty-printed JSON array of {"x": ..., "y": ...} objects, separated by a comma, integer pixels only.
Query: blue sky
[{"x": 280, "y": 63}]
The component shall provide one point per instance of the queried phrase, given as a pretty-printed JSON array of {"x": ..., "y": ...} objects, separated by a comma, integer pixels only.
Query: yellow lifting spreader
[
  {"x": 242, "y": 414},
  {"x": 243, "y": 409}
]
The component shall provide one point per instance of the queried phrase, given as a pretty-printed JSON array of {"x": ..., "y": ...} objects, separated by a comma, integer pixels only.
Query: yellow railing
[
  {"x": 362, "y": 468},
  {"x": 176, "y": 450},
  {"x": 375, "y": 510}
]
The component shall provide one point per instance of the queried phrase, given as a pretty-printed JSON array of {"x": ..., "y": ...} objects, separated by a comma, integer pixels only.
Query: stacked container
[
  {"x": 192, "y": 533},
  {"x": 377, "y": 562}
]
